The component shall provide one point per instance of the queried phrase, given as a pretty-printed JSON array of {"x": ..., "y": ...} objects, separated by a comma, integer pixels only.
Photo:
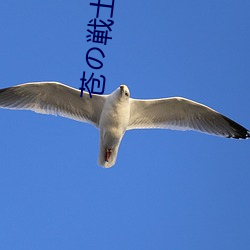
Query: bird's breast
[{"x": 114, "y": 119}]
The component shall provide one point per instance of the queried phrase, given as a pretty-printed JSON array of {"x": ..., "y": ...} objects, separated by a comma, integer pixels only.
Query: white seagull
[{"x": 116, "y": 113}]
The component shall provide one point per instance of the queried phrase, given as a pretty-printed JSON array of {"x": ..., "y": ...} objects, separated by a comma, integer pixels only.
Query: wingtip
[
  {"x": 239, "y": 131},
  {"x": 248, "y": 134}
]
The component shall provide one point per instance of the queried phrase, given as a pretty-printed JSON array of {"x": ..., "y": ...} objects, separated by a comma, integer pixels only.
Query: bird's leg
[{"x": 108, "y": 154}]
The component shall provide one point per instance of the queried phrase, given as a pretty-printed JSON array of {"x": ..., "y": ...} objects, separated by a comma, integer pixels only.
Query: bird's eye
[{"x": 126, "y": 93}]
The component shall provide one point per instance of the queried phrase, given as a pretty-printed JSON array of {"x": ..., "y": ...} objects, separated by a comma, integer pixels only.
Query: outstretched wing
[
  {"x": 182, "y": 114},
  {"x": 53, "y": 98}
]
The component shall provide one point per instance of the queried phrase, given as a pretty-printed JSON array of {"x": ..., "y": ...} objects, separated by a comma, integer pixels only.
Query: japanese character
[
  {"x": 98, "y": 35},
  {"x": 103, "y": 5},
  {"x": 91, "y": 58},
  {"x": 85, "y": 84}
]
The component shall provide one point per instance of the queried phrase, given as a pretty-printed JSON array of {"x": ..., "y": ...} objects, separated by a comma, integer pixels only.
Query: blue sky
[{"x": 168, "y": 189}]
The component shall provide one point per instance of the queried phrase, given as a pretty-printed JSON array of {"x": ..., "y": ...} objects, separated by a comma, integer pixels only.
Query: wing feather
[
  {"x": 182, "y": 114},
  {"x": 53, "y": 98}
]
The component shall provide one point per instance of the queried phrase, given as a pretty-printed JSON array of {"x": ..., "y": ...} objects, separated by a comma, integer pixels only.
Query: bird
[{"x": 117, "y": 112}]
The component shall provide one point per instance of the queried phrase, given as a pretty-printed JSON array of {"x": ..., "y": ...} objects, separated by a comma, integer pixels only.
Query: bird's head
[
  {"x": 121, "y": 94},
  {"x": 124, "y": 91}
]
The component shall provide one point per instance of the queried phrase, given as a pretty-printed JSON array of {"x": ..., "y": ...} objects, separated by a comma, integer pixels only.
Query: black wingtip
[
  {"x": 239, "y": 131},
  {"x": 248, "y": 134}
]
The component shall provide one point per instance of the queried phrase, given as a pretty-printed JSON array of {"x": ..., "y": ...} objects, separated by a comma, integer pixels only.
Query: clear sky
[{"x": 168, "y": 189}]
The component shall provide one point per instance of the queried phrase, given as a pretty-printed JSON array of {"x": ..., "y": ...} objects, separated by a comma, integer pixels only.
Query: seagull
[{"x": 116, "y": 113}]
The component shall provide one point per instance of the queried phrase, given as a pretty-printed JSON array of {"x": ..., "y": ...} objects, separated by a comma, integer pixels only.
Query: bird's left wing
[
  {"x": 182, "y": 114},
  {"x": 53, "y": 98}
]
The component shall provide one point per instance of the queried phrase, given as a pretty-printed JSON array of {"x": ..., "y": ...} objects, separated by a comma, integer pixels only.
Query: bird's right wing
[
  {"x": 182, "y": 114},
  {"x": 53, "y": 98}
]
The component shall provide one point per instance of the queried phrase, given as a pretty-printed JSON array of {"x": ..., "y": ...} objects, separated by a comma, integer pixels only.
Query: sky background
[{"x": 168, "y": 189}]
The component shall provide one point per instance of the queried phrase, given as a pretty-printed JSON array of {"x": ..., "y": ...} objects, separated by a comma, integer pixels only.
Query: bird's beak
[{"x": 122, "y": 88}]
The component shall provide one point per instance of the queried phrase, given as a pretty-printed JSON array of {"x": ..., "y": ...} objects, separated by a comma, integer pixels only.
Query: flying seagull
[{"x": 116, "y": 113}]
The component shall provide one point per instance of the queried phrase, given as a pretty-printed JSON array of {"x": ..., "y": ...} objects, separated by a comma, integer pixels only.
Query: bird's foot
[{"x": 108, "y": 154}]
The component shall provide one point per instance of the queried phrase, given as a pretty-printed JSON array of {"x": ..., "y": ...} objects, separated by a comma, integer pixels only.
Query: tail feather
[{"x": 101, "y": 159}]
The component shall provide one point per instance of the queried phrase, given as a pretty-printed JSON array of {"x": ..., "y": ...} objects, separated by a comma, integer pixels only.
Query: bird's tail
[{"x": 107, "y": 161}]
